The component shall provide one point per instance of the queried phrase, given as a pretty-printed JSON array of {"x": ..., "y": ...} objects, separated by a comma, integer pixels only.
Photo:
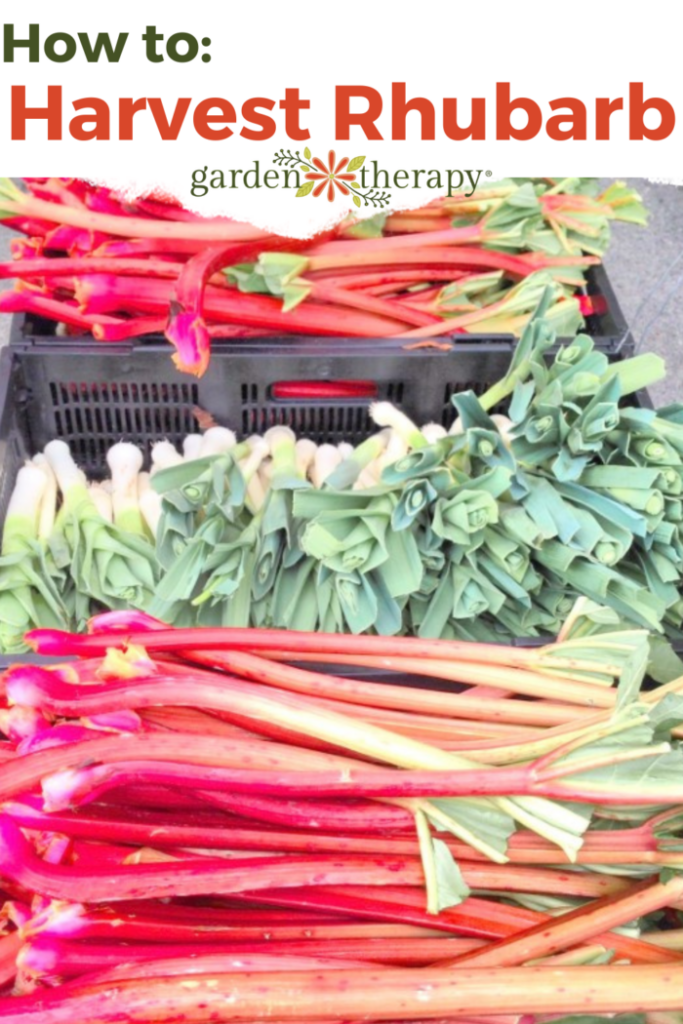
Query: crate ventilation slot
[{"x": 92, "y": 416}]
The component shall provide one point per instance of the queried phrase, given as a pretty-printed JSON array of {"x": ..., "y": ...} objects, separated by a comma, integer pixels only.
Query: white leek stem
[
  {"x": 266, "y": 472},
  {"x": 434, "y": 432},
  {"x": 456, "y": 427},
  {"x": 345, "y": 449},
  {"x": 216, "y": 441},
  {"x": 252, "y": 462},
  {"x": 125, "y": 462},
  {"x": 23, "y": 510},
  {"x": 256, "y": 494},
  {"x": 278, "y": 437},
  {"x": 327, "y": 458},
  {"x": 101, "y": 499},
  {"x": 396, "y": 448},
  {"x": 304, "y": 451},
  {"x": 164, "y": 455},
  {"x": 150, "y": 503},
  {"x": 384, "y": 414},
  {"x": 505, "y": 426},
  {"x": 250, "y": 467},
  {"x": 348, "y": 471},
  {"x": 281, "y": 442},
  {"x": 48, "y": 505},
  {"x": 69, "y": 477},
  {"x": 367, "y": 478},
  {"x": 191, "y": 447}
]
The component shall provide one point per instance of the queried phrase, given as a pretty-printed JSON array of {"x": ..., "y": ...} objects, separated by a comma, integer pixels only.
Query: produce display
[
  {"x": 285, "y": 764},
  {"x": 491, "y": 530},
  {"x": 460, "y": 264},
  {"x": 193, "y": 828}
]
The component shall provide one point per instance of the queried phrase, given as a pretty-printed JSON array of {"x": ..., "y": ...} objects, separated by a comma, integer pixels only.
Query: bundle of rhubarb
[
  {"x": 490, "y": 531},
  {"x": 193, "y": 828},
  {"x": 99, "y": 264}
]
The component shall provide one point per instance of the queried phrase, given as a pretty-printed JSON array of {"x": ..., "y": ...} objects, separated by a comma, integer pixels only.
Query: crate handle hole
[{"x": 328, "y": 390}]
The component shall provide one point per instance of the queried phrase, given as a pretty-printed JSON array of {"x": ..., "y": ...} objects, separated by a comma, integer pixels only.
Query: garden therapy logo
[
  {"x": 366, "y": 183},
  {"x": 337, "y": 175}
]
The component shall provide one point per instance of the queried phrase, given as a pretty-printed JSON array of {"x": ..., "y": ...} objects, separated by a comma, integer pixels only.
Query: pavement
[{"x": 636, "y": 261}]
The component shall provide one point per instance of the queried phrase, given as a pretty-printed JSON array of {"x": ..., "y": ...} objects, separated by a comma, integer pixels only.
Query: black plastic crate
[
  {"x": 96, "y": 394},
  {"x": 609, "y": 328},
  {"x": 93, "y": 395}
]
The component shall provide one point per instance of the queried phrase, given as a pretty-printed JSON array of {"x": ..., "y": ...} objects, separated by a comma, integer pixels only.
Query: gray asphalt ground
[{"x": 636, "y": 260}]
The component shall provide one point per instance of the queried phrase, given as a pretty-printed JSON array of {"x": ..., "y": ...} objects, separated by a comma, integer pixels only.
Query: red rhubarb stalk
[
  {"x": 107, "y": 293},
  {"x": 52, "y": 960},
  {"x": 65, "y": 958},
  {"x": 581, "y": 925},
  {"x": 216, "y": 230},
  {"x": 311, "y": 814},
  {"x": 56, "y": 642},
  {"x": 89, "y": 265},
  {"x": 163, "y": 923},
  {"x": 70, "y": 787},
  {"x": 435, "y": 256},
  {"x": 186, "y": 327},
  {"x": 393, "y": 279},
  {"x": 192, "y": 877},
  {"x": 312, "y": 683},
  {"x": 101, "y": 825},
  {"x": 450, "y": 236},
  {"x": 243, "y": 701},
  {"x": 324, "y": 292},
  {"x": 352, "y": 994},
  {"x": 46, "y": 957},
  {"x": 141, "y": 325},
  {"x": 51, "y": 309},
  {"x": 474, "y": 917},
  {"x": 136, "y": 247}
]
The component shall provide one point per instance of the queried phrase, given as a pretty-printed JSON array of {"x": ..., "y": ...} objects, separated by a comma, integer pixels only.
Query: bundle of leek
[{"x": 490, "y": 530}]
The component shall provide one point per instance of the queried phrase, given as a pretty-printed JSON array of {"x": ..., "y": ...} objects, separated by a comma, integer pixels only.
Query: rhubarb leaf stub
[{"x": 451, "y": 886}]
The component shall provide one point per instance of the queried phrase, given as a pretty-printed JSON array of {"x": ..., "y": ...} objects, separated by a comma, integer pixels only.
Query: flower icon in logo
[
  {"x": 330, "y": 176},
  {"x": 337, "y": 175}
]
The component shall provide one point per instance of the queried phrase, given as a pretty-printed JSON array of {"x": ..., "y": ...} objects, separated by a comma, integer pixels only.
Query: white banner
[{"x": 235, "y": 108}]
